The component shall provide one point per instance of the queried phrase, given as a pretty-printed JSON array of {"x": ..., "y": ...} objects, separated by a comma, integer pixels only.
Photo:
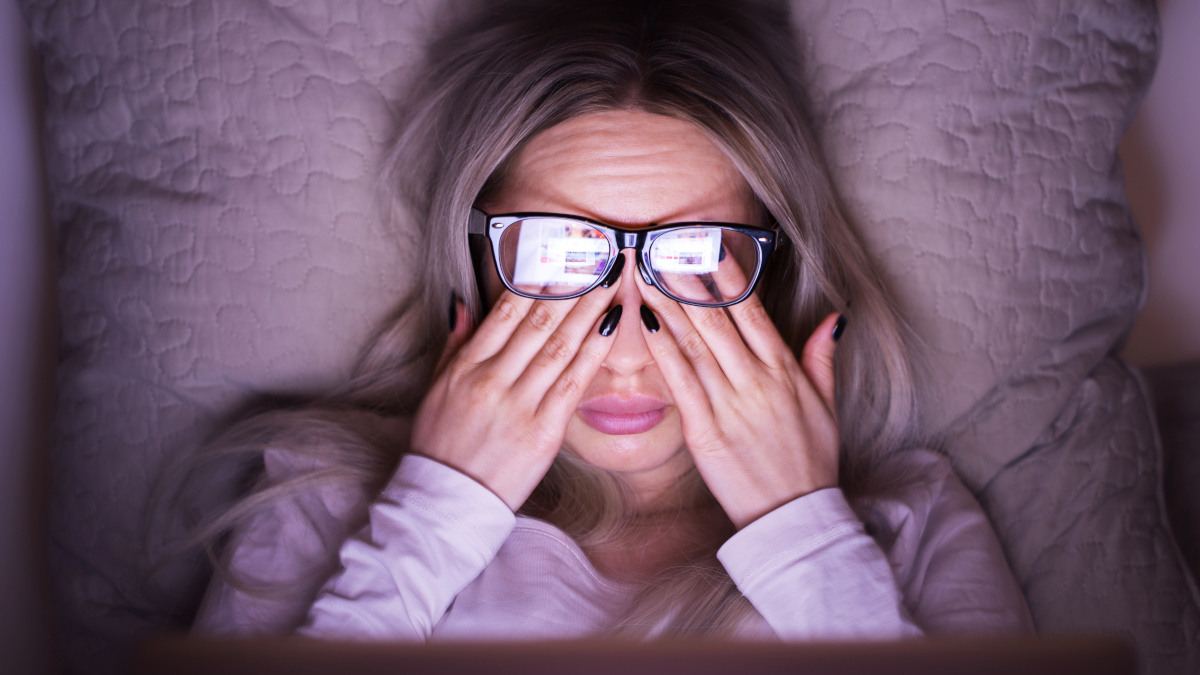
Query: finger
[
  {"x": 759, "y": 333},
  {"x": 729, "y": 278},
  {"x": 726, "y": 337},
  {"x": 540, "y": 331},
  {"x": 699, "y": 287},
  {"x": 689, "y": 394},
  {"x": 530, "y": 336},
  {"x": 712, "y": 280},
  {"x": 497, "y": 327},
  {"x": 560, "y": 348},
  {"x": 725, "y": 342},
  {"x": 738, "y": 255},
  {"x": 722, "y": 339},
  {"x": 817, "y": 359},
  {"x": 757, "y": 329},
  {"x": 561, "y": 398},
  {"x": 690, "y": 342},
  {"x": 460, "y": 333}
]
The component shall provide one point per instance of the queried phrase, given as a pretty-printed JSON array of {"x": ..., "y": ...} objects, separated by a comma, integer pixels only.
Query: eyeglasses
[{"x": 551, "y": 256}]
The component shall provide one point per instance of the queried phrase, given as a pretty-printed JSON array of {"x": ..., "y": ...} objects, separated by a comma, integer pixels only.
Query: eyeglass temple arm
[{"x": 477, "y": 223}]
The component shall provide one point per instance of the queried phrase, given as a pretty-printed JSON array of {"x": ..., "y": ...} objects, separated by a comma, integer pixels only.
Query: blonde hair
[{"x": 516, "y": 68}]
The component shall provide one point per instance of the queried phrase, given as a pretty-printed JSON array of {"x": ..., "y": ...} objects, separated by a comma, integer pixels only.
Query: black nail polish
[
  {"x": 609, "y": 324},
  {"x": 453, "y": 310},
  {"x": 721, "y": 256},
  {"x": 649, "y": 319},
  {"x": 614, "y": 273},
  {"x": 839, "y": 327}
]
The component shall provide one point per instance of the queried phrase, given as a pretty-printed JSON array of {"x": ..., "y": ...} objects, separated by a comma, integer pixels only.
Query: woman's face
[{"x": 631, "y": 169}]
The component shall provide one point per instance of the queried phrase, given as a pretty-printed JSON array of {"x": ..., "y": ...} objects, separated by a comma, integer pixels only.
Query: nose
[{"x": 629, "y": 354}]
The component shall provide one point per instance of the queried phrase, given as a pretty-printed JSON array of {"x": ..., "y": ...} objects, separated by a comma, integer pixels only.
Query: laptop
[{"x": 931, "y": 656}]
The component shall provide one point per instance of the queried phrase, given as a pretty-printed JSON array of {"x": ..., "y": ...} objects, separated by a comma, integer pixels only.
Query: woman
[{"x": 627, "y": 172}]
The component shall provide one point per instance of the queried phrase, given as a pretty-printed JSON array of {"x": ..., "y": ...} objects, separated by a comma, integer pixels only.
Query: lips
[{"x": 621, "y": 416}]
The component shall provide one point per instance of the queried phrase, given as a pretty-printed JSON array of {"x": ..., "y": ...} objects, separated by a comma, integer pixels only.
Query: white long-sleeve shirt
[{"x": 442, "y": 557}]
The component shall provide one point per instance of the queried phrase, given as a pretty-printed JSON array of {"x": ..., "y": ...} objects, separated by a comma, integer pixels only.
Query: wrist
[
  {"x": 508, "y": 478},
  {"x": 749, "y": 497}
]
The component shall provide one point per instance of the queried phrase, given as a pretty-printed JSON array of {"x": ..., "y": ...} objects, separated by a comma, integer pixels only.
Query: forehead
[{"x": 628, "y": 168}]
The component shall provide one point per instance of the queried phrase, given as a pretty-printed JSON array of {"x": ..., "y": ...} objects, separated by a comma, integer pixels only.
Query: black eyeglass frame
[{"x": 493, "y": 227}]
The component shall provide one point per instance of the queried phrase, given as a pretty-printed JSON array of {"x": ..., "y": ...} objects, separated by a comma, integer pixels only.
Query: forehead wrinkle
[
  {"x": 639, "y": 195},
  {"x": 628, "y": 168}
]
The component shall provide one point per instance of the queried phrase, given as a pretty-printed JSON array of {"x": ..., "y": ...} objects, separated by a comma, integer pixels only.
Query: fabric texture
[
  {"x": 975, "y": 146},
  {"x": 442, "y": 558},
  {"x": 211, "y": 171}
]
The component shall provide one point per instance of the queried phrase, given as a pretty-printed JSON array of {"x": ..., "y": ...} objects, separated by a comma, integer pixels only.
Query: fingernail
[
  {"x": 453, "y": 310},
  {"x": 649, "y": 319},
  {"x": 615, "y": 272},
  {"x": 839, "y": 327},
  {"x": 609, "y": 324},
  {"x": 721, "y": 256}
]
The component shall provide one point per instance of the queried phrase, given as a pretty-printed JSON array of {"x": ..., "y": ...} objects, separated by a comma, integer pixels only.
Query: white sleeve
[
  {"x": 813, "y": 573},
  {"x": 429, "y": 534}
]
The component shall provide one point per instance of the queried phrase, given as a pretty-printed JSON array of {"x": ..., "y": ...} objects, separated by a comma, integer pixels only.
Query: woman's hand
[
  {"x": 761, "y": 428},
  {"x": 501, "y": 399}
]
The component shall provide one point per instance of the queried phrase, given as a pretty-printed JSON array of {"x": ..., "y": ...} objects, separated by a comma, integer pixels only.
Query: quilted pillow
[
  {"x": 975, "y": 146},
  {"x": 211, "y": 168}
]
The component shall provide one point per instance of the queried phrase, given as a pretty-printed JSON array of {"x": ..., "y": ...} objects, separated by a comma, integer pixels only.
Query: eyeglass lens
[
  {"x": 556, "y": 258},
  {"x": 709, "y": 265}
]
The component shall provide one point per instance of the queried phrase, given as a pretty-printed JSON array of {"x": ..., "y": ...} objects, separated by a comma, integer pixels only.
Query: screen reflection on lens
[
  {"x": 553, "y": 257},
  {"x": 709, "y": 265}
]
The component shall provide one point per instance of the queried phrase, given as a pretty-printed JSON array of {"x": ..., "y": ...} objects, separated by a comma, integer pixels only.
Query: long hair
[{"x": 516, "y": 68}]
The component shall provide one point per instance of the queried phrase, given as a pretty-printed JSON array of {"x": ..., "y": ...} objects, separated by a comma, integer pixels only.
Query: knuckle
[
  {"x": 540, "y": 317},
  {"x": 568, "y": 385},
  {"x": 756, "y": 316},
  {"x": 713, "y": 318},
  {"x": 692, "y": 345},
  {"x": 485, "y": 387},
  {"x": 506, "y": 309},
  {"x": 558, "y": 349},
  {"x": 457, "y": 369},
  {"x": 761, "y": 394}
]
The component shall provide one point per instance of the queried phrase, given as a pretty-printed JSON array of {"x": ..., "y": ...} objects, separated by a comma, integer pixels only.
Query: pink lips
[{"x": 618, "y": 416}]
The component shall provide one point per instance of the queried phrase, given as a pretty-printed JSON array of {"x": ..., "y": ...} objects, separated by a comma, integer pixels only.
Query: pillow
[
  {"x": 211, "y": 168},
  {"x": 975, "y": 145}
]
